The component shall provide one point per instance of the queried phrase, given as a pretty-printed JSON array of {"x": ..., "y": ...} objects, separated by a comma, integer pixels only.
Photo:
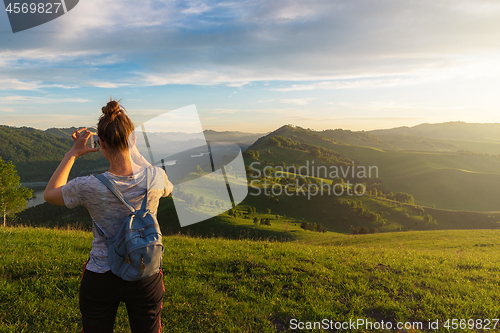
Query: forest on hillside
[{"x": 37, "y": 154}]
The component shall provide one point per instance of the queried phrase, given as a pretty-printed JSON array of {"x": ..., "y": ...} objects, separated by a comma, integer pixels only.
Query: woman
[{"x": 100, "y": 290}]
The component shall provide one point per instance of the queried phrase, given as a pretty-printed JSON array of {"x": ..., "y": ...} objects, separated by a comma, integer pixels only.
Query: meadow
[
  {"x": 222, "y": 285},
  {"x": 232, "y": 273}
]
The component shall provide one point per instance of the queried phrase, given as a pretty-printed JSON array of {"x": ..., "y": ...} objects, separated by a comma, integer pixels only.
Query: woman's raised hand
[{"x": 80, "y": 138}]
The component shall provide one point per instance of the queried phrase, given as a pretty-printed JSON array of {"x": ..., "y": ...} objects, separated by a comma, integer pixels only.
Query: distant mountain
[
  {"x": 443, "y": 137},
  {"x": 241, "y": 138},
  {"x": 450, "y": 136},
  {"x": 393, "y": 139},
  {"x": 455, "y": 130},
  {"x": 65, "y": 132}
]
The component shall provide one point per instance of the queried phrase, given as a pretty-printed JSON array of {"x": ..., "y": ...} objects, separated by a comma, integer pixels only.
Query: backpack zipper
[
  {"x": 144, "y": 245},
  {"x": 140, "y": 232},
  {"x": 143, "y": 266}
]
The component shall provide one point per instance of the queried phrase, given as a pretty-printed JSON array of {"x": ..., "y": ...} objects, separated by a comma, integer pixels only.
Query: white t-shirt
[{"x": 107, "y": 211}]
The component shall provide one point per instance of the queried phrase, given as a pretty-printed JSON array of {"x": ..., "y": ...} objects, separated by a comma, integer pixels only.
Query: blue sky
[{"x": 255, "y": 65}]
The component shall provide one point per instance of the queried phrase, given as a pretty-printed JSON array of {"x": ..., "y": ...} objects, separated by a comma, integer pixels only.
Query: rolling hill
[
  {"x": 440, "y": 179},
  {"x": 450, "y": 136},
  {"x": 462, "y": 186},
  {"x": 443, "y": 137},
  {"x": 448, "y": 180},
  {"x": 454, "y": 130}
]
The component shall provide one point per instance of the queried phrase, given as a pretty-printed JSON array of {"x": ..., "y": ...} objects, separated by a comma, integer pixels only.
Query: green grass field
[
  {"x": 220, "y": 285},
  {"x": 228, "y": 274}
]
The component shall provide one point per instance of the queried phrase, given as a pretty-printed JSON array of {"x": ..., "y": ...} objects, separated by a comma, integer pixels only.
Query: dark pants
[{"x": 101, "y": 293}]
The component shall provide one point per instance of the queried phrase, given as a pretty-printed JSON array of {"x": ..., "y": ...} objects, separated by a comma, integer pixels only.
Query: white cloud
[
  {"x": 466, "y": 66},
  {"x": 43, "y": 55},
  {"x": 295, "y": 9},
  {"x": 354, "y": 84},
  {"x": 394, "y": 105},
  {"x": 108, "y": 17},
  {"x": 297, "y": 101},
  {"x": 15, "y": 84},
  {"x": 6, "y": 84},
  {"x": 107, "y": 84},
  {"x": 197, "y": 8},
  {"x": 200, "y": 77},
  {"x": 237, "y": 84},
  {"x": 235, "y": 43},
  {"x": 39, "y": 100}
]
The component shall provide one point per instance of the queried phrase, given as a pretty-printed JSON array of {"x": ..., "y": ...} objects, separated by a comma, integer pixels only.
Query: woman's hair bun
[
  {"x": 112, "y": 109},
  {"x": 114, "y": 126}
]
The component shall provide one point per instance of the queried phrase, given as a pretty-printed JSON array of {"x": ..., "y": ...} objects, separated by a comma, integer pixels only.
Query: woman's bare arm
[{"x": 53, "y": 191}]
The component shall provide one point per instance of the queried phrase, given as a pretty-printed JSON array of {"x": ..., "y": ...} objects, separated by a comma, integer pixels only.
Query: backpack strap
[
  {"x": 145, "y": 201},
  {"x": 120, "y": 196}
]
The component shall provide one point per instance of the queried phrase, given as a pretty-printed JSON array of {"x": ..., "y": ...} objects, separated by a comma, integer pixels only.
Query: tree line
[
  {"x": 36, "y": 154},
  {"x": 324, "y": 154}
]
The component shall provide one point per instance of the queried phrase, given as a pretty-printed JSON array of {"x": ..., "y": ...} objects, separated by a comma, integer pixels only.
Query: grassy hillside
[
  {"x": 448, "y": 180},
  {"x": 455, "y": 181},
  {"x": 411, "y": 142},
  {"x": 286, "y": 214},
  {"x": 360, "y": 138},
  {"x": 37, "y": 154},
  {"x": 219, "y": 285},
  {"x": 243, "y": 139}
]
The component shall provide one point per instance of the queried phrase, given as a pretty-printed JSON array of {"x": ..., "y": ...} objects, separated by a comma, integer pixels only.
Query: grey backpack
[{"x": 136, "y": 251}]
